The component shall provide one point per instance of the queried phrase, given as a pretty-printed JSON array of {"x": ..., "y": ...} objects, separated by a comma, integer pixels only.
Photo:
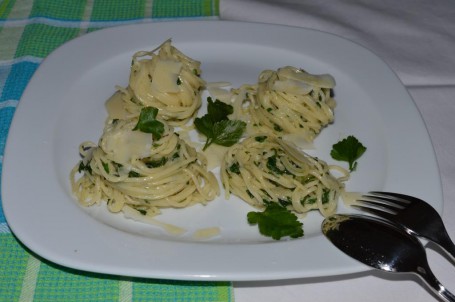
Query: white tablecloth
[{"x": 417, "y": 39}]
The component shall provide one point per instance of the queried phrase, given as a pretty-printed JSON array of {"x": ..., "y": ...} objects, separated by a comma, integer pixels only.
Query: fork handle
[
  {"x": 430, "y": 279},
  {"x": 446, "y": 244}
]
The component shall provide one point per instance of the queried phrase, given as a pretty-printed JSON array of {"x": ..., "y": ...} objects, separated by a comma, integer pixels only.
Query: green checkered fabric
[{"x": 29, "y": 31}]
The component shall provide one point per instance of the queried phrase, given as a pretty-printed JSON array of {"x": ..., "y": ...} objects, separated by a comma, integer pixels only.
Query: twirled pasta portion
[
  {"x": 163, "y": 78},
  {"x": 264, "y": 169},
  {"x": 132, "y": 169},
  {"x": 287, "y": 102}
]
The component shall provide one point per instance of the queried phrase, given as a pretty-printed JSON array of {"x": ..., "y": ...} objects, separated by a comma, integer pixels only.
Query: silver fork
[{"x": 415, "y": 215}]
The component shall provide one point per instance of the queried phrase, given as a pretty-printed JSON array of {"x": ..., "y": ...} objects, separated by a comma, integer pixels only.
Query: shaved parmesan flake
[
  {"x": 292, "y": 86},
  {"x": 122, "y": 144},
  {"x": 322, "y": 80},
  {"x": 165, "y": 76}
]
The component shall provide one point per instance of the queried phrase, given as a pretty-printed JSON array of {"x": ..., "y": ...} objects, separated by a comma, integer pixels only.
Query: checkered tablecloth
[{"x": 29, "y": 31}]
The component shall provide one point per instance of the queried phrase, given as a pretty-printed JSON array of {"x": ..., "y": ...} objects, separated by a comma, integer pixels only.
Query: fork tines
[{"x": 382, "y": 203}]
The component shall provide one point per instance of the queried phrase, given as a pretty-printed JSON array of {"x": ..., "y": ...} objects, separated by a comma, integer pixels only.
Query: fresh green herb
[
  {"x": 156, "y": 163},
  {"x": 204, "y": 125},
  {"x": 266, "y": 202},
  {"x": 81, "y": 167},
  {"x": 218, "y": 110},
  {"x": 325, "y": 196},
  {"x": 273, "y": 167},
  {"x": 227, "y": 132},
  {"x": 308, "y": 200},
  {"x": 285, "y": 202},
  {"x": 260, "y": 139},
  {"x": 266, "y": 193},
  {"x": 105, "y": 166},
  {"x": 235, "y": 168},
  {"x": 85, "y": 167},
  {"x": 217, "y": 127},
  {"x": 276, "y": 222},
  {"x": 349, "y": 150},
  {"x": 143, "y": 212},
  {"x": 277, "y": 128},
  {"x": 149, "y": 124},
  {"x": 133, "y": 174}
]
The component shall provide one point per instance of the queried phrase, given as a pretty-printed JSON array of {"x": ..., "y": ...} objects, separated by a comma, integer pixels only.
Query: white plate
[{"x": 64, "y": 105}]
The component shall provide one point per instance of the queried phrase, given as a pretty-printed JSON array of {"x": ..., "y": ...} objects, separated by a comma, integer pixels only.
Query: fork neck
[
  {"x": 446, "y": 244},
  {"x": 434, "y": 284}
]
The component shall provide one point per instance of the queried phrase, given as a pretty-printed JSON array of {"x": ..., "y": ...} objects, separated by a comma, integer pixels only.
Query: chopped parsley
[
  {"x": 143, "y": 212},
  {"x": 235, "y": 168},
  {"x": 325, "y": 196},
  {"x": 133, "y": 174},
  {"x": 175, "y": 155},
  {"x": 156, "y": 163},
  {"x": 273, "y": 167},
  {"x": 260, "y": 139},
  {"x": 349, "y": 150},
  {"x": 306, "y": 179},
  {"x": 277, "y": 128},
  {"x": 308, "y": 200},
  {"x": 84, "y": 167},
  {"x": 105, "y": 166}
]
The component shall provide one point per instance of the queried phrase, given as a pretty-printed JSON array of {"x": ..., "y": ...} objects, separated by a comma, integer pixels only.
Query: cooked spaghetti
[
  {"x": 163, "y": 78},
  {"x": 133, "y": 169},
  {"x": 287, "y": 102},
  {"x": 139, "y": 172},
  {"x": 264, "y": 169}
]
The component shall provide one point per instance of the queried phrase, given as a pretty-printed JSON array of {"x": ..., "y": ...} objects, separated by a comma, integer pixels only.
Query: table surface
[{"x": 415, "y": 38}]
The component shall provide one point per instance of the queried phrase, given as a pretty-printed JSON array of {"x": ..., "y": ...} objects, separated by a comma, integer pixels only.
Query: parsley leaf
[
  {"x": 227, "y": 132},
  {"x": 204, "y": 125},
  {"x": 349, "y": 150},
  {"x": 149, "y": 124},
  {"x": 217, "y": 127},
  {"x": 218, "y": 110},
  {"x": 276, "y": 222}
]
